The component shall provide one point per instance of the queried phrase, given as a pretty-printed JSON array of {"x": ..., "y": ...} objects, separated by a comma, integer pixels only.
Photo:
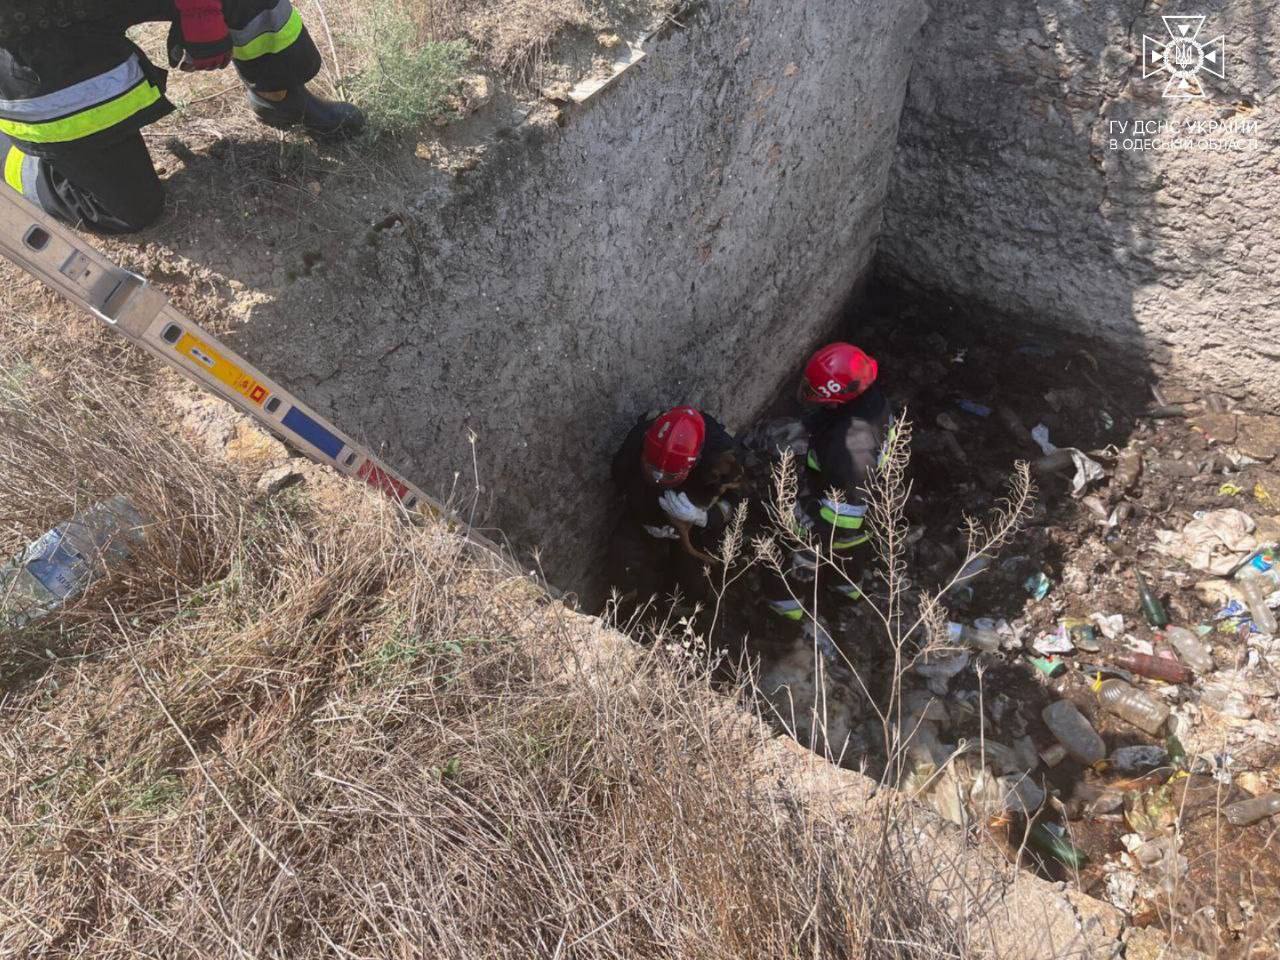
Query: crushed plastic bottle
[
  {"x": 1256, "y": 586},
  {"x": 66, "y": 560},
  {"x": 1251, "y": 811},
  {"x": 1138, "y": 758},
  {"x": 1133, "y": 705},
  {"x": 1193, "y": 651},
  {"x": 1074, "y": 732},
  {"x": 969, "y": 635},
  {"x": 1152, "y": 608}
]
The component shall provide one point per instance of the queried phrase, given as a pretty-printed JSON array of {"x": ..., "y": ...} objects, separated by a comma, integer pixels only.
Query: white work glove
[
  {"x": 678, "y": 506},
  {"x": 662, "y": 533}
]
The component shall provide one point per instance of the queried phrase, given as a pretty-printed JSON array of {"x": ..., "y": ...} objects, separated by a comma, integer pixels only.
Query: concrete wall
[
  {"x": 1007, "y": 190},
  {"x": 686, "y": 239}
]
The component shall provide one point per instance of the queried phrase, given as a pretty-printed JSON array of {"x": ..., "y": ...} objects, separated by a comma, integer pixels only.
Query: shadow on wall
[
  {"x": 1019, "y": 184},
  {"x": 683, "y": 240}
]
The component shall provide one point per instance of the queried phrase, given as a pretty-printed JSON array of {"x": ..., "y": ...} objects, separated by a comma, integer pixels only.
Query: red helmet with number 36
[
  {"x": 836, "y": 374},
  {"x": 672, "y": 445}
]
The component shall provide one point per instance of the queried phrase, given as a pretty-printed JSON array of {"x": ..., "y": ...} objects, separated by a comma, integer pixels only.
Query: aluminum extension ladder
[{"x": 136, "y": 310}]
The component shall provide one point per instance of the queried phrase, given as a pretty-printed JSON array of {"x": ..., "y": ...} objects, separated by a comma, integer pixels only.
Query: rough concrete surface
[
  {"x": 1008, "y": 191},
  {"x": 686, "y": 239}
]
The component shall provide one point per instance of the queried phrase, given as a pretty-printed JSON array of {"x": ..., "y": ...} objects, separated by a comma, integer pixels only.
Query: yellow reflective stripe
[
  {"x": 272, "y": 42},
  {"x": 791, "y": 609},
  {"x": 812, "y": 462},
  {"x": 86, "y": 122},
  {"x": 13, "y": 168},
  {"x": 847, "y": 590},
  {"x": 847, "y": 544},
  {"x": 842, "y": 520}
]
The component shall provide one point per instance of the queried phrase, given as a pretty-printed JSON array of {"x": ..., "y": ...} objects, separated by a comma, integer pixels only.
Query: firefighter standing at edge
[
  {"x": 75, "y": 93},
  {"x": 679, "y": 474},
  {"x": 849, "y": 424}
]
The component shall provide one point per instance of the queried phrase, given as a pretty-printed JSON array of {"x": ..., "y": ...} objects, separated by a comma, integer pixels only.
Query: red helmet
[
  {"x": 672, "y": 445},
  {"x": 836, "y": 374}
]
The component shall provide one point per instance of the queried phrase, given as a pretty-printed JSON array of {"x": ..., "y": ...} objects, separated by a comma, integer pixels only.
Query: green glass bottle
[
  {"x": 1050, "y": 839},
  {"x": 1152, "y": 608}
]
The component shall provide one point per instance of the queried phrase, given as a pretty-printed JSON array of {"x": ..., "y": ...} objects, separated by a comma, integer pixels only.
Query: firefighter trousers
[{"x": 74, "y": 100}]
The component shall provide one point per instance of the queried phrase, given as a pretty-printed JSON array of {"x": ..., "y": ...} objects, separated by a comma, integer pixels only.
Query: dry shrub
[
  {"x": 514, "y": 34},
  {"x": 288, "y": 732}
]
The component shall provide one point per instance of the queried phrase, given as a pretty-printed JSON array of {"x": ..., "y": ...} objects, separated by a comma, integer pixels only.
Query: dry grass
[{"x": 285, "y": 732}]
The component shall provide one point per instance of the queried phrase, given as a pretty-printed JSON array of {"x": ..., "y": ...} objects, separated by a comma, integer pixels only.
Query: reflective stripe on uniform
[
  {"x": 13, "y": 169},
  {"x": 846, "y": 516},
  {"x": 848, "y": 590},
  {"x": 82, "y": 109},
  {"x": 77, "y": 97},
  {"x": 791, "y": 609},
  {"x": 812, "y": 462},
  {"x": 850, "y": 544},
  {"x": 30, "y": 174},
  {"x": 271, "y": 31},
  {"x": 21, "y": 171}
]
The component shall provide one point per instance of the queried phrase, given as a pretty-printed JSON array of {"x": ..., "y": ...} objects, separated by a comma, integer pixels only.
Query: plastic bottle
[
  {"x": 1264, "y": 561},
  {"x": 1195, "y": 653},
  {"x": 1152, "y": 608},
  {"x": 67, "y": 559},
  {"x": 964, "y": 634},
  {"x": 1074, "y": 732},
  {"x": 1133, "y": 705},
  {"x": 1251, "y": 811},
  {"x": 1156, "y": 668},
  {"x": 1256, "y": 585},
  {"x": 1128, "y": 470}
]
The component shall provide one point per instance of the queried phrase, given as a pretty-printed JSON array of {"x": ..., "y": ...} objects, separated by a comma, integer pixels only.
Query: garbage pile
[{"x": 1109, "y": 700}]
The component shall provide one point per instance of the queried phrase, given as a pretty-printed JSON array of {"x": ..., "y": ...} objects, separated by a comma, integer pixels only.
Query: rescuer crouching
[
  {"x": 680, "y": 478},
  {"x": 846, "y": 429},
  {"x": 75, "y": 93}
]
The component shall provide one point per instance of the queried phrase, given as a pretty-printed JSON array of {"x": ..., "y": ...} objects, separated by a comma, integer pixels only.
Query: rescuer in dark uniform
[
  {"x": 75, "y": 93},
  {"x": 680, "y": 477},
  {"x": 849, "y": 425}
]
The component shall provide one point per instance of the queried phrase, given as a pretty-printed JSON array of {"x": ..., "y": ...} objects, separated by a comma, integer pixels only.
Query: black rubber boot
[{"x": 323, "y": 119}]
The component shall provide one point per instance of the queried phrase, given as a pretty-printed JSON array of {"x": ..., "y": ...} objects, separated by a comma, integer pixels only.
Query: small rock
[
  {"x": 557, "y": 92},
  {"x": 1176, "y": 468},
  {"x": 608, "y": 40},
  {"x": 1221, "y": 427},
  {"x": 1252, "y": 782},
  {"x": 1021, "y": 794},
  {"x": 476, "y": 92},
  {"x": 1122, "y": 891},
  {"x": 1259, "y": 437},
  {"x": 278, "y": 478},
  {"x": 1268, "y": 529},
  {"x": 1109, "y": 801}
]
